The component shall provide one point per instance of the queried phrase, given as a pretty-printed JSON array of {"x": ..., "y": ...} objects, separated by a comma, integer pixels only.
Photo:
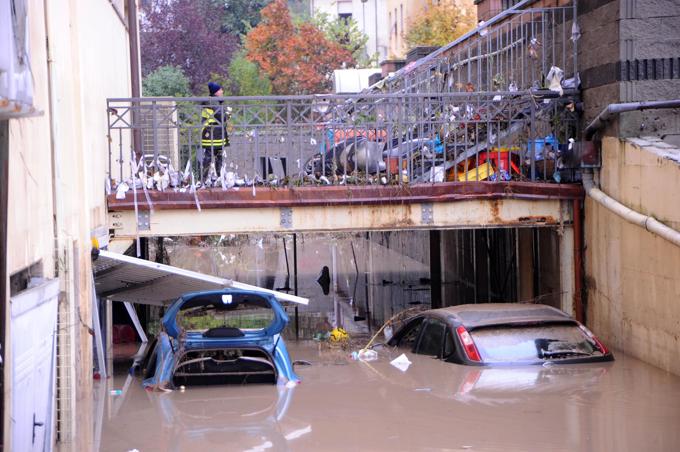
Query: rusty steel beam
[{"x": 350, "y": 195}]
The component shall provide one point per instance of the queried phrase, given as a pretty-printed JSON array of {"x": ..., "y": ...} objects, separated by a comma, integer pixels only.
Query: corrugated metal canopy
[{"x": 120, "y": 277}]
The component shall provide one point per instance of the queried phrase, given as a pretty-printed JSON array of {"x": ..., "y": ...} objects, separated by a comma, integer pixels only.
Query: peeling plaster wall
[{"x": 633, "y": 276}]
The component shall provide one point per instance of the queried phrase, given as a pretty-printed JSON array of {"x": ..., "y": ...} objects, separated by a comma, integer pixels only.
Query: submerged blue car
[{"x": 224, "y": 336}]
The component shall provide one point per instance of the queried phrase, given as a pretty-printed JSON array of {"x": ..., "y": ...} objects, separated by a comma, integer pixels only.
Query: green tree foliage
[
  {"x": 346, "y": 33},
  {"x": 440, "y": 24},
  {"x": 239, "y": 16},
  {"x": 246, "y": 79},
  {"x": 166, "y": 81}
]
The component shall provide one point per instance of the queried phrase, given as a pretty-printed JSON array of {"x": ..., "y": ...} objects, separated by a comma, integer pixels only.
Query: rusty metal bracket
[
  {"x": 144, "y": 220},
  {"x": 426, "y": 213},
  {"x": 286, "y": 217}
]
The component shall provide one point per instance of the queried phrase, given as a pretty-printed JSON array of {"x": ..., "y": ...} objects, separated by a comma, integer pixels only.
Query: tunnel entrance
[{"x": 359, "y": 280}]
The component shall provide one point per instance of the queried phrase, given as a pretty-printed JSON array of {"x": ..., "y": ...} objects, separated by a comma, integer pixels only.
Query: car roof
[{"x": 487, "y": 314}]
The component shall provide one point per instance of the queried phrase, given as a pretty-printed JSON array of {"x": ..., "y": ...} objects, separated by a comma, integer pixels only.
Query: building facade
[
  {"x": 54, "y": 148},
  {"x": 385, "y": 22}
]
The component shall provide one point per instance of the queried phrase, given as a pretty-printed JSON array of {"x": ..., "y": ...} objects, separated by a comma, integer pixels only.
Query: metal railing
[
  {"x": 515, "y": 51},
  {"x": 334, "y": 139}
]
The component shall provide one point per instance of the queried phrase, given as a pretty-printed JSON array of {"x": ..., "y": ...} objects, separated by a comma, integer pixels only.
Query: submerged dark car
[{"x": 500, "y": 333}]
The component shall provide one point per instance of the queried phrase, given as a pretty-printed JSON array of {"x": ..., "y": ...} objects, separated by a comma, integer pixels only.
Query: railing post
[{"x": 154, "y": 119}]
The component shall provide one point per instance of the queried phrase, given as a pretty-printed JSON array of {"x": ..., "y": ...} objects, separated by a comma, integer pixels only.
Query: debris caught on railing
[
  {"x": 575, "y": 31},
  {"x": 534, "y": 48},
  {"x": 554, "y": 79}
]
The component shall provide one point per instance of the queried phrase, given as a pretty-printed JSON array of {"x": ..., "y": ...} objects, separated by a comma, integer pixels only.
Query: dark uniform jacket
[{"x": 214, "y": 133}]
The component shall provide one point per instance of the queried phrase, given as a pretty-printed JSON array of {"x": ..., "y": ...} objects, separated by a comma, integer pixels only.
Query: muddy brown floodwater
[{"x": 351, "y": 405}]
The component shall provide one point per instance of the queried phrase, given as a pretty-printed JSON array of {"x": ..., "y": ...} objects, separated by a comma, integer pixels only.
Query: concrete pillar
[
  {"x": 566, "y": 244},
  {"x": 436, "y": 269},
  {"x": 450, "y": 256},
  {"x": 525, "y": 266}
]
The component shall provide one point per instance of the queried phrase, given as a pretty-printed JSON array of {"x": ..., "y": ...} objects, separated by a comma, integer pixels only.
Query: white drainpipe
[{"x": 648, "y": 222}]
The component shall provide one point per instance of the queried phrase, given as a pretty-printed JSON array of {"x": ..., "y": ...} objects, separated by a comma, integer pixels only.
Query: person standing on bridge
[{"x": 214, "y": 135}]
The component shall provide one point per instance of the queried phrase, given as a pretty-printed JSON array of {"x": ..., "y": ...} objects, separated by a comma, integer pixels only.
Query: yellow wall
[
  {"x": 633, "y": 276},
  {"x": 90, "y": 62}
]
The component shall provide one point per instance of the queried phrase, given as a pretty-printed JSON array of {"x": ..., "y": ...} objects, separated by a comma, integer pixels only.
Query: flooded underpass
[
  {"x": 342, "y": 404},
  {"x": 358, "y": 281}
]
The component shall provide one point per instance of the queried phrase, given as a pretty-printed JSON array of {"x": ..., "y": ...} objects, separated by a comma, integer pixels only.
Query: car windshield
[
  {"x": 529, "y": 343},
  {"x": 244, "y": 315}
]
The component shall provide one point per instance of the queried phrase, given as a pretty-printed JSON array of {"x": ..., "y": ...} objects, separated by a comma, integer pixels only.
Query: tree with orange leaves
[{"x": 297, "y": 59}]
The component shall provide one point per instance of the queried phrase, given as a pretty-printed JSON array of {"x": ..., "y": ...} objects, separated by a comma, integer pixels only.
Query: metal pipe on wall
[
  {"x": 615, "y": 109},
  {"x": 645, "y": 221},
  {"x": 4, "y": 188},
  {"x": 135, "y": 75}
]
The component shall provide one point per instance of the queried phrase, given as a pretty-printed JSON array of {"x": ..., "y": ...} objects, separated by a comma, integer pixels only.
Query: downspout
[
  {"x": 4, "y": 298},
  {"x": 614, "y": 109},
  {"x": 134, "y": 73},
  {"x": 650, "y": 223},
  {"x": 55, "y": 154}
]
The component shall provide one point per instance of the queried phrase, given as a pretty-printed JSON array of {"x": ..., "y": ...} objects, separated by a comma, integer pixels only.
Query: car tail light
[
  {"x": 468, "y": 344},
  {"x": 592, "y": 337}
]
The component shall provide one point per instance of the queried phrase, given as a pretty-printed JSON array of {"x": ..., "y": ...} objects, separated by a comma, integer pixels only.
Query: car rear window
[
  {"x": 529, "y": 343},
  {"x": 248, "y": 314}
]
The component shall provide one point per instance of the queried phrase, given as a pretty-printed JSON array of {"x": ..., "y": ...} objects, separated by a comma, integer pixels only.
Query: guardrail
[
  {"x": 516, "y": 50},
  {"x": 337, "y": 139}
]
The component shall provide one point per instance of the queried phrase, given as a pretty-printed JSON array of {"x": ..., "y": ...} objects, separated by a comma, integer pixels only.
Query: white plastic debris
[
  {"x": 437, "y": 174},
  {"x": 367, "y": 355},
  {"x": 575, "y": 32},
  {"x": 121, "y": 190},
  {"x": 229, "y": 179},
  {"x": 401, "y": 362},
  {"x": 483, "y": 31},
  {"x": 388, "y": 332},
  {"x": 554, "y": 79},
  {"x": 572, "y": 82},
  {"x": 312, "y": 141}
]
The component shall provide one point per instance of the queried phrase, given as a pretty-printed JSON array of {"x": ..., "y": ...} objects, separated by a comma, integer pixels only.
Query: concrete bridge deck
[{"x": 344, "y": 208}]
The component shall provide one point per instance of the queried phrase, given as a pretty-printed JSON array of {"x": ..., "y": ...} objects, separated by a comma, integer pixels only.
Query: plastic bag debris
[
  {"x": 121, "y": 190},
  {"x": 554, "y": 79},
  {"x": 572, "y": 82},
  {"x": 575, "y": 32},
  {"x": 401, "y": 362},
  {"x": 388, "y": 332},
  {"x": 365, "y": 355}
]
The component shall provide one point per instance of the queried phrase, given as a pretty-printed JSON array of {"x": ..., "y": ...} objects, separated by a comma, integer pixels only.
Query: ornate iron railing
[{"x": 332, "y": 139}]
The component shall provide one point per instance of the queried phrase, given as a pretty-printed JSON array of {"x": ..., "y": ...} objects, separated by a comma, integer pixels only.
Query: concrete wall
[
  {"x": 633, "y": 276},
  {"x": 57, "y": 161}
]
